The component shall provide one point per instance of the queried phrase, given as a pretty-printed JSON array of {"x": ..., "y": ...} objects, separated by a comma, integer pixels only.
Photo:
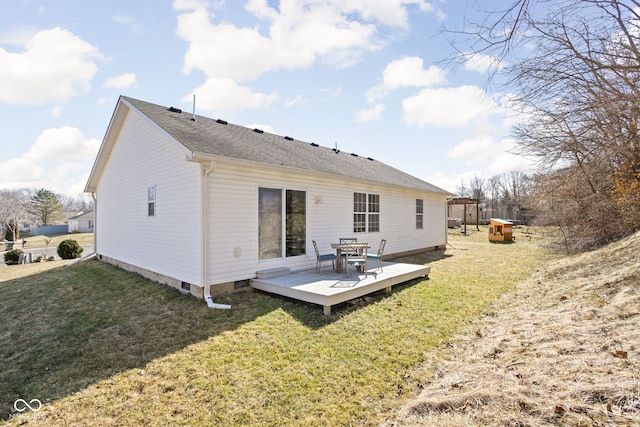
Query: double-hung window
[
  {"x": 151, "y": 201},
  {"x": 419, "y": 214},
  {"x": 366, "y": 212}
]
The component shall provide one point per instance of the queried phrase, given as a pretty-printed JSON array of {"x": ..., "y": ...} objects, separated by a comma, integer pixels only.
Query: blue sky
[{"x": 365, "y": 75}]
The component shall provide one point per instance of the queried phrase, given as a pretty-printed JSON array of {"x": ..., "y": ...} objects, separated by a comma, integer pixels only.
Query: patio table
[{"x": 339, "y": 247}]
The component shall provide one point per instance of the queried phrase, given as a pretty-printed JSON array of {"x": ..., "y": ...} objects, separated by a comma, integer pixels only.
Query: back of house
[{"x": 202, "y": 204}]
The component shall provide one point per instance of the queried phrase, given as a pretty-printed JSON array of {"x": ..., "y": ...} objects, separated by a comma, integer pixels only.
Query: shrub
[
  {"x": 69, "y": 249},
  {"x": 12, "y": 257}
]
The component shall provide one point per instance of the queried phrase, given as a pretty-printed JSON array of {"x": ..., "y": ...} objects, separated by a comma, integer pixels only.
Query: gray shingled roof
[{"x": 209, "y": 136}]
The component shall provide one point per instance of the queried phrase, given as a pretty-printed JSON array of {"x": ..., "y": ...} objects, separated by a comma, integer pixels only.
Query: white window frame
[
  {"x": 366, "y": 212},
  {"x": 151, "y": 201}
]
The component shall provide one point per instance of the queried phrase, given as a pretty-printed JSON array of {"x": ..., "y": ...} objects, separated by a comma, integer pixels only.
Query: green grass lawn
[
  {"x": 39, "y": 242},
  {"x": 100, "y": 346}
]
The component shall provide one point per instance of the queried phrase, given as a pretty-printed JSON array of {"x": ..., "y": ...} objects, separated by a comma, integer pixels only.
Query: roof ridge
[{"x": 218, "y": 137}]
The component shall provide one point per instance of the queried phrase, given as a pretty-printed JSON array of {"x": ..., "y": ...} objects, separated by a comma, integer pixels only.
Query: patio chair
[
  {"x": 378, "y": 255},
  {"x": 358, "y": 259},
  {"x": 325, "y": 257},
  {"x": 346, "y": 240}
]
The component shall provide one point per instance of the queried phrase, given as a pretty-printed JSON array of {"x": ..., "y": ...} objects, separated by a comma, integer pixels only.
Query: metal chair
[
  {"x": 378, "y": 255},
  {"x": 325, "y": 257}
]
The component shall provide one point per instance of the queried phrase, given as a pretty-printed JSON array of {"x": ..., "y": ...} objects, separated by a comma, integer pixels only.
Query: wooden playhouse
[{"x": 500, "y": 230}]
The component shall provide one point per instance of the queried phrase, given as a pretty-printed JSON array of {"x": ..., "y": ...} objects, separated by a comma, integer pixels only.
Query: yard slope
[{"x": 562, "y": 350}]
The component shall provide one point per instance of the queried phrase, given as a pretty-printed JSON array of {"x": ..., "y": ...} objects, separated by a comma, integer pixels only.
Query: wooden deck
[{"x": 328, "y": 288}]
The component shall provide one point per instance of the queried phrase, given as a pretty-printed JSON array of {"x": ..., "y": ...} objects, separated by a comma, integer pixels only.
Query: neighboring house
[
  {"x": 202, "y": 204},
  {"x": 81, "y": 223}
]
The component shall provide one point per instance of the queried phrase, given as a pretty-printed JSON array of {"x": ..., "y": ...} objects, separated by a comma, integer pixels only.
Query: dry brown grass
[{"x": 562, "y": 349}]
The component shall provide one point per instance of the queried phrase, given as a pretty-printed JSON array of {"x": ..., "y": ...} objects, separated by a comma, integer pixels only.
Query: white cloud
[
  {"x": 134, "y": 26},
  {"x": 18, "y": 36},
  {"x": 448, "y": 107},
  {"x": 56, "y": 160},
  {"x": 497, "y": 157},
  {"x": 370, "y": 114},
  {"x": 224, "y": 97},
  {"x": 293, "y": 40},
  {"x": 475, "y": 150},
  {"x": 187, "y": 5},
  {"x": 121, "y": 81},
  {"x": 481, "y": 63},
  {"x": 444, "y": 180},
  {"x": 61, "y": 144},
  {"x": 19, "y": 170},
  {"x": 330, "y": 92},
  {"x": 406, "y": 72},
  {"x": 506, "y": 161},
  {"x": 298, "y": 100},
  {"x": 56, "y": 111},
  {"x": 55, "y": 65},
  {"x": 297, "y": 35}
]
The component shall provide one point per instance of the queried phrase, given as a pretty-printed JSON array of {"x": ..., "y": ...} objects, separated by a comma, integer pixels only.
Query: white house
[
  {"x": 202, "y": 204},
  {"x": 81, "y": 223}
]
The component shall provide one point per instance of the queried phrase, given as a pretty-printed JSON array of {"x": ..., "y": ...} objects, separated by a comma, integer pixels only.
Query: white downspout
[
  {"x": 95, "y": 223},
  {"x": 207, "y": 168}
]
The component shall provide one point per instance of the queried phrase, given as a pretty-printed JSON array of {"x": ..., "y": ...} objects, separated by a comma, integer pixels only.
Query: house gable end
[{"x": 123, "y": 108}]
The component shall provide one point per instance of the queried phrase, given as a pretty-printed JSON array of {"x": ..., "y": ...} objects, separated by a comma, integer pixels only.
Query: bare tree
[
  {"x": 477, "y": 186},
  {"x": 14, "y": 211},
  {"x": 580, "y": 87},
  {"x": 77, "y": 203},
  {"x": 502, "y": 195},
  {"x": 462, "y": 190}
]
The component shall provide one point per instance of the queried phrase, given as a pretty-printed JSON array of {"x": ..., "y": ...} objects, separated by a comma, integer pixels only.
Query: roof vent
[
  {"x": 256, "y": 130},
  {"x": 288, "y": 138},
  {"x": 175, "y": 110},
  {"x": 336, "y": 150},
  {"x": 354, "y": 154},
  {"x": 222, "y": 122},
  {"x": 313, "y": 144}
]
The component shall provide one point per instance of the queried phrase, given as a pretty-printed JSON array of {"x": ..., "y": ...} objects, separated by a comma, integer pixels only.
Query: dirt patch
[{"x": 563, "y": 349}]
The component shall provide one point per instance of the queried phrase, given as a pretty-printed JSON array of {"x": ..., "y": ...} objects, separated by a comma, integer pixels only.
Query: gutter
[{"x": 206, "y": 168}]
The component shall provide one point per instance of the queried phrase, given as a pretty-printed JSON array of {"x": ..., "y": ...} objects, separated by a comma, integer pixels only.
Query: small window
[
  {"x": 151, "y": 201},
  {"x": 419, "y": 214}
]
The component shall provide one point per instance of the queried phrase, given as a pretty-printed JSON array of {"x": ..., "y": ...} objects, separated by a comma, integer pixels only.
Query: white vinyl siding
[
  {"x": 168, "y": 243},
  {"x": 234, "y": 218}
]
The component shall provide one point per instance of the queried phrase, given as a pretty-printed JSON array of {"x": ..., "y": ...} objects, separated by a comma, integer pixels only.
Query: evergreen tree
[{"x": 46, "y": 207}]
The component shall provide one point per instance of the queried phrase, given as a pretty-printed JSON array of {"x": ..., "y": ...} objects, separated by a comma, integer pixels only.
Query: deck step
[{"x": 269, "y": 273}]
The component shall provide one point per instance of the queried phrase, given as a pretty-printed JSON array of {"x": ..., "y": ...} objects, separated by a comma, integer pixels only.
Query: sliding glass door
[{"x": 274, "y": 228}]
